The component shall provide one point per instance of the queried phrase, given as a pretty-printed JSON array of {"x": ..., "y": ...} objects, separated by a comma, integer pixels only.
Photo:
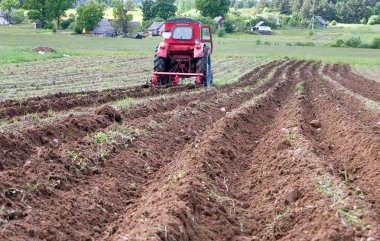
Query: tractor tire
[
  {"x": 201, "y": 65},
  {"x": 160, "y": 66}
]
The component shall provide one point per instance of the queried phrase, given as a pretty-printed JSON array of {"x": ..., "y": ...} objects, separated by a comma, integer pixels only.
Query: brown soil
[
  {"x": 358, "y": 84},
  {"x": 245, "y": 161},
  {"x": 66, "y": 101}
]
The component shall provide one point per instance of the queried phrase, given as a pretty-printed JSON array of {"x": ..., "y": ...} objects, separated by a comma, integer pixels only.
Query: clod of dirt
[
  {"x": 316, "y": 124},
  {"x": 292, "y": 196},
  {"x": 109, "y": 112},
  {"x": 245, "y": 205},
  {"x": 44, "y": 50},
  {"x": 28, "y": 164}
]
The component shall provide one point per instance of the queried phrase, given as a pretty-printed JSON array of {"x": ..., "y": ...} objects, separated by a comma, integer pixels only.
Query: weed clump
[{"x": 305, "y": 44}]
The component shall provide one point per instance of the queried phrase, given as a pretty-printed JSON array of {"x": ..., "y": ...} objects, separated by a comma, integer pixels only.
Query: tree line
[
  {"x": 293, "y": 12},
  {"x": 345, "y": 11}
]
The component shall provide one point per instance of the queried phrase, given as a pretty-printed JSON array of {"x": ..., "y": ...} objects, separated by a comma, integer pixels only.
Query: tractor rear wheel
[
  {"x": 160, "y": 66},
  {"x": 202, "y": 65}
]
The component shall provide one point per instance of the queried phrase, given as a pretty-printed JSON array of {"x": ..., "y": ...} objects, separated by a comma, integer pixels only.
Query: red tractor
[{"x": 184, "y": 53}]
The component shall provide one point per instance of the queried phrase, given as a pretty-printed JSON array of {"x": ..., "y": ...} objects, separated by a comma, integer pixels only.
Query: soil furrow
[
  {"x": 133, "y": 166},
  {"x": 359, "y": 84},
  {"x": 350, "y": 138},
  {"x": 180, "y": 188},
  {"x": 282, "y": 154},
  {"x": 66, "y": 101},
  {"x": 22, "y": 145}
]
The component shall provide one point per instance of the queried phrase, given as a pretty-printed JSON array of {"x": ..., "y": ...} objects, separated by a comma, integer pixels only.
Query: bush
[
  {"x": 288, "y": 44},
  {"x": 228, "y": 27},
  {"x": 76, "y": 28},
  {"x": 267, "y": 43},
  {"x": 309, "y": 44},
  {"x": 208, "y": 21},
  {"x": 17, "y": 16},
  {"x": 353, "y": 42},
  {"x": 363, "y": 21},
  {"x": 304, "y": 23},
  {"x": 258, "y": 42},
  {"x": 221, "y": 32},
  {"x": 338, "y": 43},
  {"x": 71, "y": 26},
  {"x": 374, "y": 19},
  {"x": 293, "y": 23},
  {"x": 333, "y": 23},
  {"x": 66, "y": 23},
  {"x": 376, "y": 43},
  {"x": 365, "y": 46},
  {"x": 48, "y": 26}
]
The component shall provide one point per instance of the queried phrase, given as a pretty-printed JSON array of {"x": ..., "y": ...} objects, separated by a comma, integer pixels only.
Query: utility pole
[{"x": 311, "y": 24}]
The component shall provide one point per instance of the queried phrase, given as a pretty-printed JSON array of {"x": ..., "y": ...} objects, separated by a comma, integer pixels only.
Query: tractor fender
[
  {"x": 198, "y": 50},
  {"x": 162, "y": 50}
]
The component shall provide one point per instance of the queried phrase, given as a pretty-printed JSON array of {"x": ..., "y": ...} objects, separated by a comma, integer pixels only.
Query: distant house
[
  {"x": 104, "y": 29},
  {"x": 264, "y": 30},
  {"x": 37, "y": 25},
  {"x": 323, "y": 22},
  {"x": 219, "y": 21},
  {"x": 156, "y": 29},
  {"x": 259, "y": 24},
  {"x": 5, "y": 18}
]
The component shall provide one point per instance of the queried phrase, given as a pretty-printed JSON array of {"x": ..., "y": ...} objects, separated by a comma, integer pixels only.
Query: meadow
[{"x": 17, "y": 42}]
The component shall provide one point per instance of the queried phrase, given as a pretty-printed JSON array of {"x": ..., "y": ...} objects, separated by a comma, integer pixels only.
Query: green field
[
  {"x": 16, "y": 43},
  {"x": 93, "y": 63}
]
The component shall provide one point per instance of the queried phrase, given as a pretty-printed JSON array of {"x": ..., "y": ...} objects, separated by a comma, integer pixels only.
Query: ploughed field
[{"x": 290, "y": 151}]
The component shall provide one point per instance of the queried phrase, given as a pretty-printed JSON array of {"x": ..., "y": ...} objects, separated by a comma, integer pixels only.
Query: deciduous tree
[
  {"x": 47, "y": 10},
  {"x": 164, "y": 9},
  {"x": 121, "y": 15},
  {"x": 8, "y": 5},
  {"x": 89, "y": 15},
  {"x": 147, "y": 9},
  {"x": 212, "y": 8}
]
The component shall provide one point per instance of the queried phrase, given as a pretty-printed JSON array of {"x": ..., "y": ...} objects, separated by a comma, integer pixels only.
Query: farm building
[
  {"x": 156, "y": 29},
  {"x": 104, "y": 29},
  {"x": 5, "y": 19},
  {"x": 259, "y": 24},
  {"x": 220, "y": 21},
  {"x": 37, "y": 25},
  {"x": 323, "y": 22},
  {"x": 264, "y": 30}
]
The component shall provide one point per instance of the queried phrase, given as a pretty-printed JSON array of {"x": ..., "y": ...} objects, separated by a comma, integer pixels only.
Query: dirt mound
[
  {"x": 44, "y": 50},
  {"x": 110, "y": 112}
]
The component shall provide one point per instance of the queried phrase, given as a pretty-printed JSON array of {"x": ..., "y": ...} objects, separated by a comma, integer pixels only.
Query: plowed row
[{"x": 289, "y": 152}]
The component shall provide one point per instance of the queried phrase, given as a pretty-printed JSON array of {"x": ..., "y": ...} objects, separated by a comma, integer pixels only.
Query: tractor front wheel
[{"x": 160, "y": 66}]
